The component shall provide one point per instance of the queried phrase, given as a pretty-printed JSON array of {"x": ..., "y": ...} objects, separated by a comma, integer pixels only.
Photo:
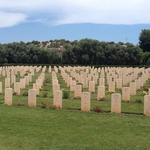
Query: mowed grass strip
[{"x": 47, "y": 129}]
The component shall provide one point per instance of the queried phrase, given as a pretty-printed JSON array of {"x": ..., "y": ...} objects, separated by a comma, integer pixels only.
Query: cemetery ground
[{"x": 45, "y": 128}]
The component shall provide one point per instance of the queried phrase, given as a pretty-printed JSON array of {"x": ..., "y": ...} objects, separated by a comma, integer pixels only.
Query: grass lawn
[
  {"x": 45, "y": 129},
  {"x": 23, "y": 128}
]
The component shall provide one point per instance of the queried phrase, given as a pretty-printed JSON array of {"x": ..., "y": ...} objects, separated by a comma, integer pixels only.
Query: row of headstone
[
  {"x": 73, "y": 79},
  {"x": 10, "y": 77},
  {"x": 8, "y": 98},
  {"x": 39, "y": 83},
  {"x": 78, "y": 78},
  {"x": 85, "y": 101},
  {"x": 31, "y": 92},
  {"x": 128, "y": 80},
  {"x": 37, "y": 86},
  {"x": 11, "y": 85},
  {"x": 57, "y": 92}
]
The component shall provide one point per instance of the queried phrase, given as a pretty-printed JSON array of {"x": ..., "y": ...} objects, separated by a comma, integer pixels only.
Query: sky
[{"x": 73, "y": 19}]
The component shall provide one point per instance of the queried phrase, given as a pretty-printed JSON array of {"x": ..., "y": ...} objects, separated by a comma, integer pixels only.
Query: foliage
[
  {"x": 83, "y": 52},
  {"x": 66, "y": 94},
  {"x": 146, "y": 58},
  {"x": 25, "y": 93},
  {"x": 44, "y": 94},
  {"x": 145, "y": 40},
  {"x": 97, "y": 109}
]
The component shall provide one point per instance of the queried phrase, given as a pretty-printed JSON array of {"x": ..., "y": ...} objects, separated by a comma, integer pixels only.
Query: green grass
[
  {"x": 46, "y": 129},
  {"x": 23, "y": 128}
]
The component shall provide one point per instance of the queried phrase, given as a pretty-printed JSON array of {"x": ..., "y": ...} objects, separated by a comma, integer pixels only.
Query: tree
[
  {"x": 146, "y": 58},
  {"x": 83, "y": 52},
  {"x": 145, "y": 40}
]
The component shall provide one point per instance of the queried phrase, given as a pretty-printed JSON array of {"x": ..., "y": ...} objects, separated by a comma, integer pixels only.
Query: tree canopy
[
  {"x": 145, "y": 40},
  {"x": 83, "y": 52}
]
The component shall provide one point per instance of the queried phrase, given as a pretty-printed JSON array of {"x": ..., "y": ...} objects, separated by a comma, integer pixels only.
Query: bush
[
  {"x": 47, "y": 80},
  {"x": 66, "y": 94},
  {"x": 45, "y": 94},
  {"x": 25, "y": 93},
  {"x": 103, "y": 99},
  {"x": 145, "y": 89},
  {"x": 138, "y": 101},
  {"x": 45, "y": 105},
  {"x": 97, "y": 109},
  {"x": 14, "y": 93}
]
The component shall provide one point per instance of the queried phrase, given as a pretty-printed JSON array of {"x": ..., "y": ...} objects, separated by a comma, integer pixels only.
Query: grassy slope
[{"x": 44, "y": 129}]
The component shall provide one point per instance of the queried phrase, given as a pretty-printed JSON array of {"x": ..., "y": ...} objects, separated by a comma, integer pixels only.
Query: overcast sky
[{"x": 58, "y": 12}]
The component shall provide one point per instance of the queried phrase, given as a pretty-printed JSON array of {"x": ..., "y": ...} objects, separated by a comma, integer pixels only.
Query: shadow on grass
[{"x": 132, "y": 113}]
